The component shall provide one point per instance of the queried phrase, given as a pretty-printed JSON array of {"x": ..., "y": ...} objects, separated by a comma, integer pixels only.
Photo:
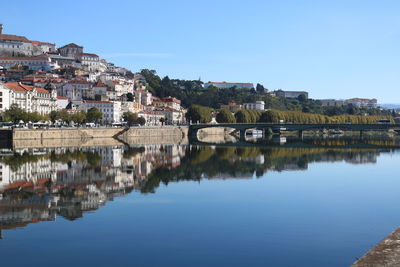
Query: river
[{"x": 310, "y": 202}]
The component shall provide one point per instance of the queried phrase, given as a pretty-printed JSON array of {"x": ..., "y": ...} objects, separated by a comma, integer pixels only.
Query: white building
[
  {"x": 362, "y": 102},
  {"x": 62, "y": 102},
  {"x": 90, "y": 61},
  {"x": 32, "y": 99},
  {"x": 76, "y": 89},
  {"x": 152, "y": 117},
  {"x": 224, "y": 85},
  {"x": 258, "y": 105},
  {"x": 4, "y": 98},
  {"x": 43, "y": 47},
  {"x": 14, "y": 45},
  {"x": 111, "y": 110},
  {"x": 32, "y": 63},
  {"x": 143, "y": 97},
  {"x": 172, "y": 116}
]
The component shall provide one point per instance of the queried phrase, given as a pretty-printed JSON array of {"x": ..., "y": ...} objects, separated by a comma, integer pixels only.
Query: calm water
[{"x": 313, "y": 203}]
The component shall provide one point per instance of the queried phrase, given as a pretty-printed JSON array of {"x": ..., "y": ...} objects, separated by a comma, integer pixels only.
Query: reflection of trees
[
  {"x": 206, "y": 162},
  {"x": 17, "y": 160}
]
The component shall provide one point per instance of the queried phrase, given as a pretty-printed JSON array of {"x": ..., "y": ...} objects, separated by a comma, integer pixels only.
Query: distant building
[
  {"x": 152, "y": 117},
  {"x": 62, "y": 102},
  {"x": 232, "y": 107},
  {"x": 362, "y": 102},
  {"x": 4, "y": 98},
  {"x": 71, "y": 50},
  {"x": 32, "y": 63},
  {"x": 143, "y": 97},
  {"x": 331, "y": 103},
  {"x": 90, "y": 61},
  {"x": 258, "y": 105},
  {"x": 32, "y": 99},
  {"x": 111, "y": 109},
  {"x": 291, "y": 94},
  {"x": 14, "y": 45},
  {"x": 224, "y": 85},
  {"x": 76, "y": 89},
  {"x": 43, "y": 47}
]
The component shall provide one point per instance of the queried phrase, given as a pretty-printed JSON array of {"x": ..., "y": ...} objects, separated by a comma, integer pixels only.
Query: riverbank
[{"x": 75, "y": 137}]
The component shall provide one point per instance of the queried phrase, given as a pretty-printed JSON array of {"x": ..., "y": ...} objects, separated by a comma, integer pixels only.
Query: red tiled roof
[
  {"x": 19, "y": 87},
  {"x": 36, "y": 43},
  {"x": 13, "y": 38},
  {"x": 100, "y": 84},
  {"x": 171, "y": 99},
  {"x": 62, "y": 97},
  {"x": 88, "y": 54}
]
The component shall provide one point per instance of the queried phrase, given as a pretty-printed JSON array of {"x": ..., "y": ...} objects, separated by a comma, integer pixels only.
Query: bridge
[{"x": 300, "y": 128}]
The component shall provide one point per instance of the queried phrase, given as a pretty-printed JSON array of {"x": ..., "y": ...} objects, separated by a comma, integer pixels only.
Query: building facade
[
  {"x": 224, "y": 85},
  {"x": 71, "y": 50},
  {"x": 111, "y": 110},
  {"x": 4, "y": 98},
  {"x": 362, "y": 102},
  {"x": 258, "y": 105},
  {"x": 90, "y": 61},
  {"x": 32, "y": 63},
  {"x": 291, "y": 94},
  {"x": 32, "y": 99},
  {"x": 332, "y": 103}
]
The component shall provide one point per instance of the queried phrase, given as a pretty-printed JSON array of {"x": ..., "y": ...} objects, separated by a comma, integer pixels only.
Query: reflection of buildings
[
  {"x": 42, "y": 184},
  {"x": 37, "y": 187}
]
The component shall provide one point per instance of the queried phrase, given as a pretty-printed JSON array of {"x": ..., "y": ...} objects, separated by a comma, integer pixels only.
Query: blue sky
[{"x": 333, "y": 49}]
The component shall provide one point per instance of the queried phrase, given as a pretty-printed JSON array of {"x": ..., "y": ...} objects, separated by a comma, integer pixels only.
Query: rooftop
[
  {"x": 14, "y": 38},
  {"x": 19, "y": 87},
  {"x": 72, "y": 45}
]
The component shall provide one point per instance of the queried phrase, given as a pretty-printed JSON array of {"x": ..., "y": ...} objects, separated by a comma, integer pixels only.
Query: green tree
[
  {"x": 79, "y": 117},
  {"x": 94, "y": 115},
  {"x": 197, "y": 113},
  {"x": 15, "y": 114},
  {"x": 225, "y": 116},
  {"x": 243, "y": 116},
  {"x": 141, "y": 121},
  {"x": 64, "y": 116},
  {"x": 53, "y": 116},
  {"x": 130, "y": 118}
]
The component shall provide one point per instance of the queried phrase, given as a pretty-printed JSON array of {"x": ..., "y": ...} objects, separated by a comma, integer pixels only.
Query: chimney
[{"x": 1, "y": 28}]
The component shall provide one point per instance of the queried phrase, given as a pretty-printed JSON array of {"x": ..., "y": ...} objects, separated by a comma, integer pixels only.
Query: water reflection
[{"x": 39, "y": 185}]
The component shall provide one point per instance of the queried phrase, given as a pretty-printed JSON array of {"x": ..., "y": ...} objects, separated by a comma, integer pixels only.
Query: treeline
[
  {"x": 275, "y": 116},
  {"x": 15, "y": 114},
  {"x": 201, "y": 114},
  {"x": 191, "y": 92}
]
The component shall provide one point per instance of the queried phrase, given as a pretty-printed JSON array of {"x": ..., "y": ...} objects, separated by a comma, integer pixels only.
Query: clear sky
[{"x": 333, "y": 49}]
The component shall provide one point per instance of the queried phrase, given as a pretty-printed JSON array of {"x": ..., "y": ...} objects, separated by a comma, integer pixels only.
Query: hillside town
[{"x": 40, "y": 77}]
